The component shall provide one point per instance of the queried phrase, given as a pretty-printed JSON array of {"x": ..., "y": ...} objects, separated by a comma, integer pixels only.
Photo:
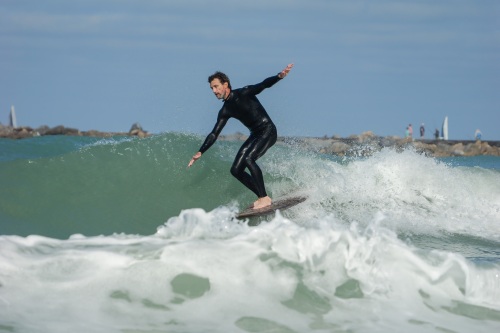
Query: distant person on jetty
[
  {"x": 422, "y": 130},
  {"x": 243, "y": 105},
  {"x": 436, "y": 134},
  {"x": 410, "y": 131},
  {"x": 478, "y": 134}
]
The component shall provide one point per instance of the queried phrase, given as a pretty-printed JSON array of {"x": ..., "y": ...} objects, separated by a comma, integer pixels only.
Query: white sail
[
  {"x": 444, "y": 130},
  {"x": 13, "y": 120}
]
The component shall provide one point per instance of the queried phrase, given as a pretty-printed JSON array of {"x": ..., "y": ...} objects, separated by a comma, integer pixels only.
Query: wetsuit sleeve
[
  {"x": 212, "y": 137},
  {"x": 267, "y": 83}
]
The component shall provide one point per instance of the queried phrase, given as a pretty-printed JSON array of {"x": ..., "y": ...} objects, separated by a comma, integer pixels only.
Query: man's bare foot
[{"x": 262, "y": 203}]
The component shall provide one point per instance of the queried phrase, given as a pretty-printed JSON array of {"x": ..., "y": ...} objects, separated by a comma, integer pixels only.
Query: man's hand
[
  {"x": 194, "y": 159},
  {"x": 284, "y": 72}
]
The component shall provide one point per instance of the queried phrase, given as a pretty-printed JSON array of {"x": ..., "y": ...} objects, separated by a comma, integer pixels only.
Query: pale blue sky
[{"x": 359, "y": 65}]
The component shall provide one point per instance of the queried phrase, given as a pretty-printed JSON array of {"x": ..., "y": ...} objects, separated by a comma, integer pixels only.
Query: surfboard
[{"x": 279, "y": 204}]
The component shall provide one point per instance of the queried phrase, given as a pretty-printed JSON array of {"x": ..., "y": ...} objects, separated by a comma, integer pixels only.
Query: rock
[
  {"x": 428, "y": 149},
  {"x": 135, "y": 127},
  {"x": 337, "y": 148},
  {"x": 61, "y": 130},
  {"x": 27, "y": 132},
  {"x": 486, "y": 149},
  {"x": 5, "y": 131},
  {"x": 139, "y": 133},
  {"x": 137, "y": 130},
  {"x": 98, "y": 134},
  {"x": 17, "y": 133},
  {"x": 42, "y": 130},
  {"x": 366, "y": 136},
  {"x": 458, "y": 149}
]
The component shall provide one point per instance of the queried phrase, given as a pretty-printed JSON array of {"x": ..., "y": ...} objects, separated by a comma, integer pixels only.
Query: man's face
[{"x": 219, "y": 89}]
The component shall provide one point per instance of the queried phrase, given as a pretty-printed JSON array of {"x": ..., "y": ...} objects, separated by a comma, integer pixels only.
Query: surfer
[{"x": 243, "y": 105}]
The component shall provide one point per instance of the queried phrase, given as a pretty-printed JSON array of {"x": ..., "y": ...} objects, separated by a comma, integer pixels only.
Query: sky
[{"x": 359, "y": 65}]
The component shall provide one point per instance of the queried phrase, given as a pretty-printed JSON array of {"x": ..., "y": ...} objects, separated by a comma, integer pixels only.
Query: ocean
[{"x": 117, "y": 235}]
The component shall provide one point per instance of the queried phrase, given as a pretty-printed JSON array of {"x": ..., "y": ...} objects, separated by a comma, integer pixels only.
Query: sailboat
[
  {"x": 444, "y": 129},
  {"x": 13, "y": 120}
]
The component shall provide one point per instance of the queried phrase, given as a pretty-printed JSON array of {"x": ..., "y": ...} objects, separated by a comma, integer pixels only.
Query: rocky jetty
[
  {"x": 368, "y": 143},
  {"x": 28, "y": 132}
]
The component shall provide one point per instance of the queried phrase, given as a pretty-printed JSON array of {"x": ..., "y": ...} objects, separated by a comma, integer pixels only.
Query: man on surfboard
[{"x": 243, "y": 105}]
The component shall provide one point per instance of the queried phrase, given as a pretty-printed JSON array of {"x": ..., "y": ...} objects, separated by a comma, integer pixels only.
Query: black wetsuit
[{"x": 243, "y": 105}]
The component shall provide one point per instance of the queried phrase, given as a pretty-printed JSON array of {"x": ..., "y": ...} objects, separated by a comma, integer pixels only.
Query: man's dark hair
[{"x": 222, "y": 78}]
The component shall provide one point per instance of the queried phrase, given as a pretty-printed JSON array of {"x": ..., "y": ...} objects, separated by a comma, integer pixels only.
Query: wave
[
  {"x": 106, "y": 186},
  {"x": 202, "y": 271},
  {"x": 117, "y": 235}
]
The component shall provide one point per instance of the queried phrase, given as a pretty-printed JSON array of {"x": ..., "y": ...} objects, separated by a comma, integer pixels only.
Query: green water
[{"x": 93, "y": 186}]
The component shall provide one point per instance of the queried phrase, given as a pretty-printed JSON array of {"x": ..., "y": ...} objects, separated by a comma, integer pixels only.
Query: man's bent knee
[
  {"x": 236, "y": 172},
  {"x": 249, "y": 161}
]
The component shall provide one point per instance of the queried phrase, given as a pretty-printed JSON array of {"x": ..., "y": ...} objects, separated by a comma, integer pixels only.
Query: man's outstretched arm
[
  {"x": 269, "y": 82},
  {"x": 211, "y": 138}
]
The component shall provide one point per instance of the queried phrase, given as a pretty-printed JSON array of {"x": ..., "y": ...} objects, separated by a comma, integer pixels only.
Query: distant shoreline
[
  {"x": 29, "y": 132},
  {"x": 436, "y": 148},
  {"x": 355, "y": 145},
  {"x": 367, "y": 143}
]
